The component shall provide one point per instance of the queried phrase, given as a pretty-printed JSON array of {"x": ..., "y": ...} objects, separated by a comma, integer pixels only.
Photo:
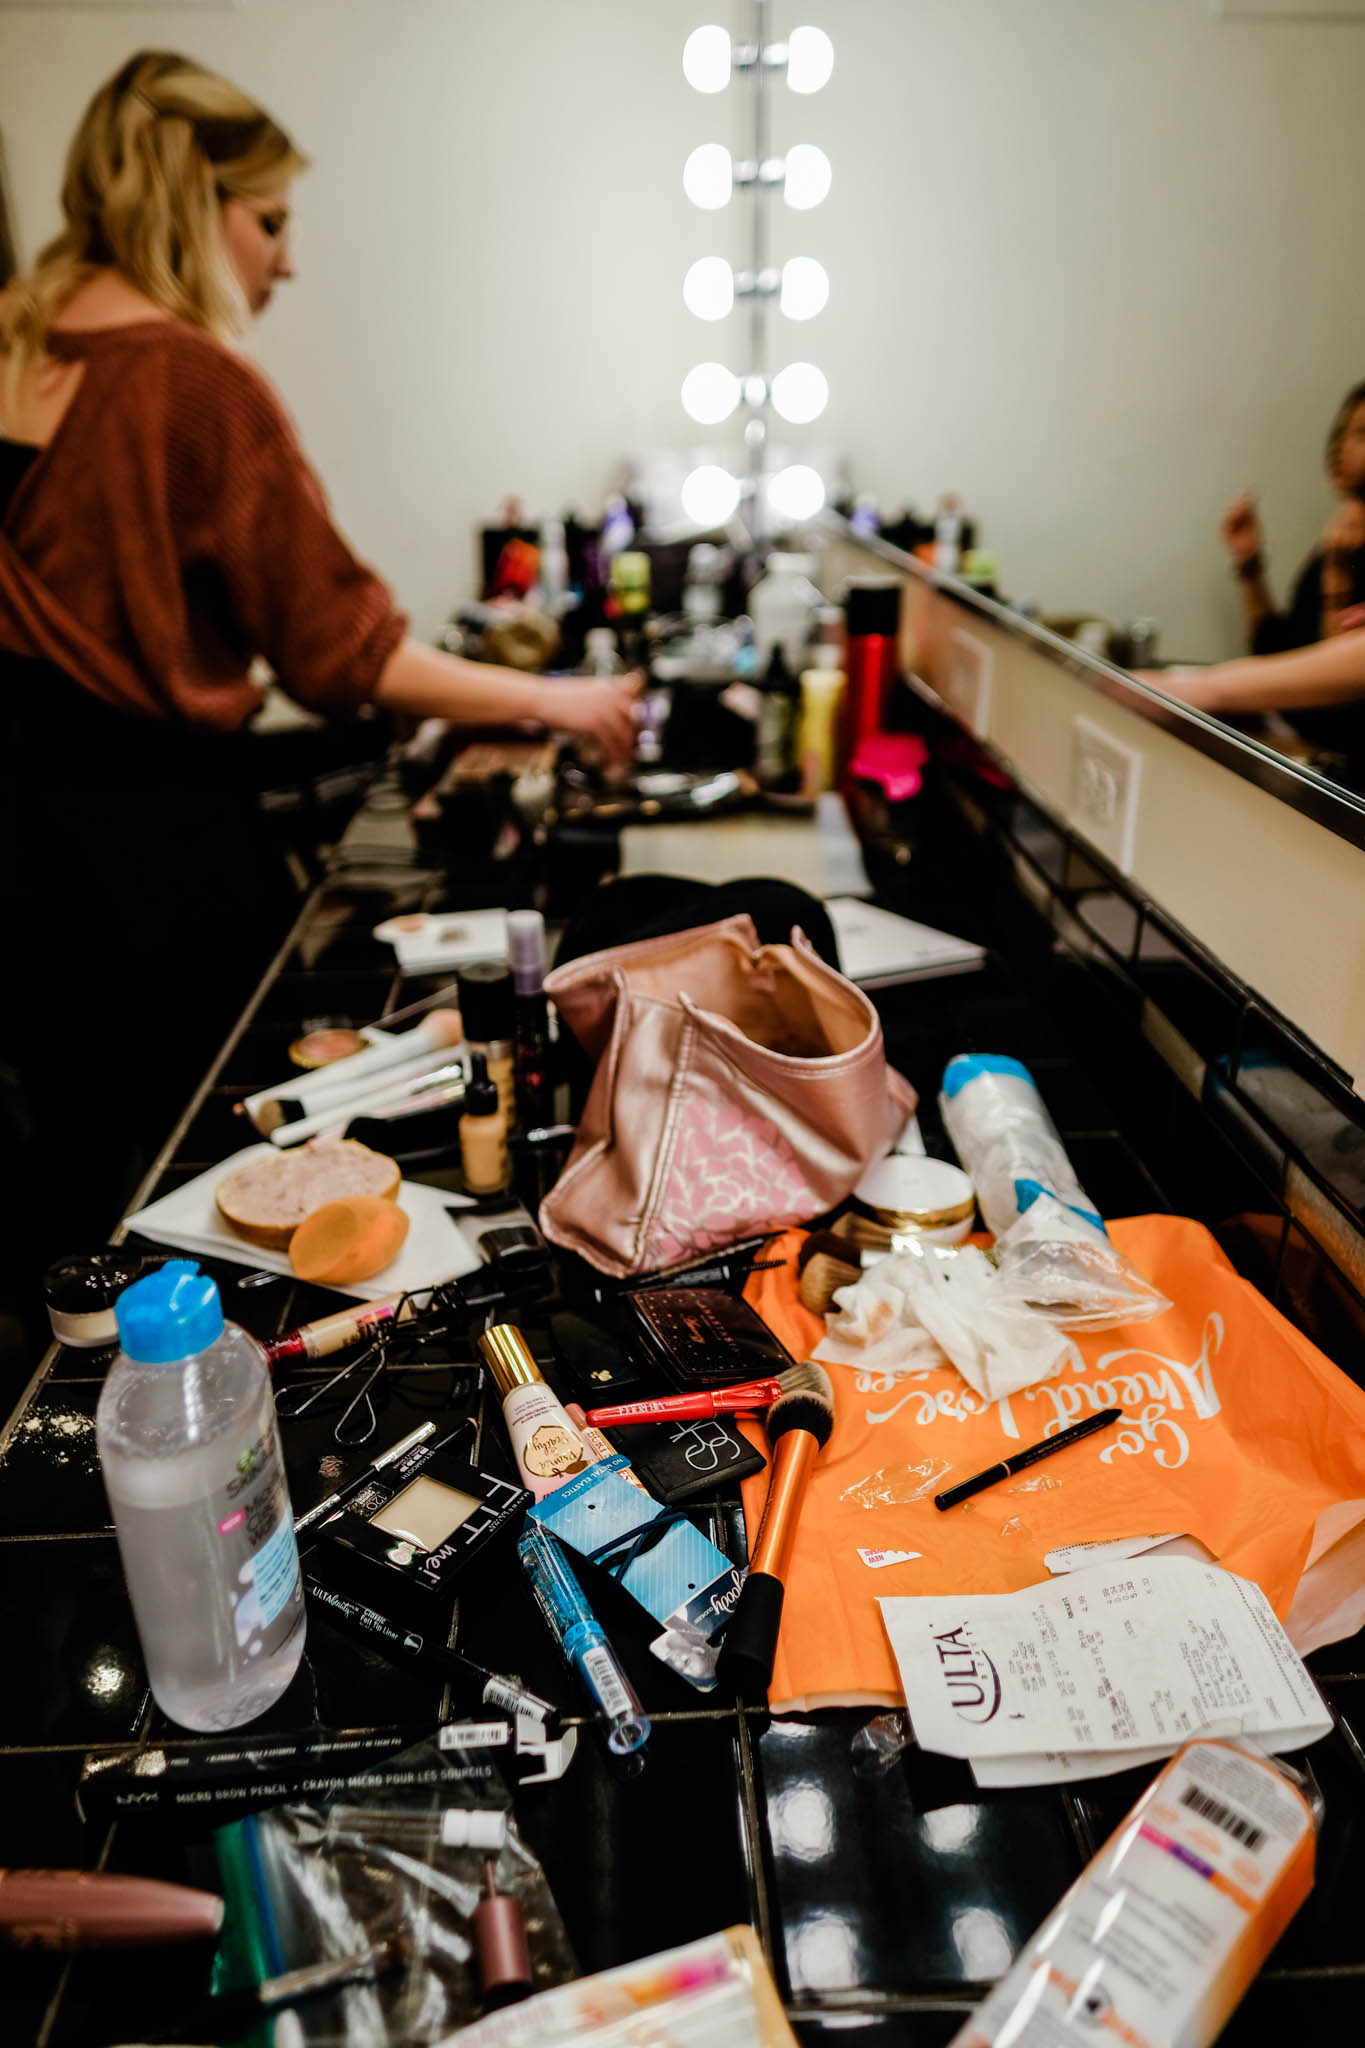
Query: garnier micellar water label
[{"x": 260, "y": 1555}]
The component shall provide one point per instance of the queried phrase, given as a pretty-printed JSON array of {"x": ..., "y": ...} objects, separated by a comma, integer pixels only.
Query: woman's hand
[
  {"x": 1240, "y": 528},
  {"x": 1330, "y": 672},
  {"x": 1190, "y": 685},
  {"x": 600, "y": 707},
  {"x": 1345, "y": 532},
  {"x": 422, "y": 682}
]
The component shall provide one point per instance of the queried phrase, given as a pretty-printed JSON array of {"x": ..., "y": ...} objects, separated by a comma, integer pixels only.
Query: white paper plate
[
  {"x": 435, "y": 1249},
  {"x": 436, "y": 942}
]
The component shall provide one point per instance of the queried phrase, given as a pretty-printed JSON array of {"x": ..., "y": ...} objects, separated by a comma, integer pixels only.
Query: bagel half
[{"x": 266, "y": 1200}]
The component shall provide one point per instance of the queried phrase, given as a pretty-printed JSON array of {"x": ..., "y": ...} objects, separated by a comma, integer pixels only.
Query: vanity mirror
[{"x": 1106, "y": 289}]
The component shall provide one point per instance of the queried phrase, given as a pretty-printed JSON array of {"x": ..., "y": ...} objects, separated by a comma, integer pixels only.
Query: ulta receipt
[{"x": 1130, "y": 1657}]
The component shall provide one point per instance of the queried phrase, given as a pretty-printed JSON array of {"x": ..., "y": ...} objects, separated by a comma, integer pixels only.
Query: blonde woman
[{"x": 160, "y": 527}]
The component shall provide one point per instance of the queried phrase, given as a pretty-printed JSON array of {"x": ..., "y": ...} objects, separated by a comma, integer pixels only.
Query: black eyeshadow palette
[
  {"x": 406, "y": 1542},
  {"x": 704, "y": 1337}
]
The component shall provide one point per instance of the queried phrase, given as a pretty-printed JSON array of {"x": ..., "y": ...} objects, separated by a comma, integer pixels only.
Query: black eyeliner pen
[
  {"x": 361, "y": 1479},
  {"x": 718, "y": 1275},
  {"x": 723, "y": 1273},
  {"x": 1009, "y": 1466}
]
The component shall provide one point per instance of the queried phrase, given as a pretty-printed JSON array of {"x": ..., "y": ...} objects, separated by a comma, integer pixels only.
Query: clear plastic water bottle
[{"x": 192, "y": 1464}]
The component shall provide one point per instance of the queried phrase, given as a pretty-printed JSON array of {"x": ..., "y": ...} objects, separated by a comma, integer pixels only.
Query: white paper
[
  {"x": 1076, "y": 1557},
  {"x": 1126, "y": 1658},
  {"x": 930, "y": 1297},
  {"x": 433, "y": 1250},
  {"x": 877, "y": 948},
  {"x": 1055, "y": 1768}
]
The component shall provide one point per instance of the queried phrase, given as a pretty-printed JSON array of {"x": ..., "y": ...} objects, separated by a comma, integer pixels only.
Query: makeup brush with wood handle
[
  {"x": 799, "y": 1424},
  {"x": 827, "y": 1261}
]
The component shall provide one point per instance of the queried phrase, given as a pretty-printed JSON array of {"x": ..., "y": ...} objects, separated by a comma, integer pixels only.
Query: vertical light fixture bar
[
  {"x": 757, "y": 399},
  {"x": 711, "y": 391}
]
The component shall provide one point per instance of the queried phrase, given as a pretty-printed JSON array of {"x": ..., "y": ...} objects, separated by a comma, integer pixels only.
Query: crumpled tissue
[{"x": 929, "y": 1301}]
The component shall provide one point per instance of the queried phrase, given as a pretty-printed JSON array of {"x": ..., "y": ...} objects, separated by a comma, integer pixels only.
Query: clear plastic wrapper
[
  {"x": 1051, "y": 1247},
  {"x": 894, "y": 1486},
  {"x": 881, "y": 1743},
  {"x": 306, "y": 1883}
]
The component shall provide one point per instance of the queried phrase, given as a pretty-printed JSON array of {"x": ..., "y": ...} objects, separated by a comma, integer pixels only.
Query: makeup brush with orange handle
[
  {"x": 799, "y": 1424},
  {"x": 697, "y": 1407}
]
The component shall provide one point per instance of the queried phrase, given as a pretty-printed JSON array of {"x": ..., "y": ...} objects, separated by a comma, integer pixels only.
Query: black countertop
[{"x": 886, "y": 1901}]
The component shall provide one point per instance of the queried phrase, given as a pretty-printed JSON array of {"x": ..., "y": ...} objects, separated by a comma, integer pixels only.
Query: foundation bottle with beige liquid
[{"x": 483, "y": 1133}]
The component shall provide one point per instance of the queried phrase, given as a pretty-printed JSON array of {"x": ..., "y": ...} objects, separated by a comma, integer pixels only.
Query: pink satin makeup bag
[{"x": 739, "y": 1088}]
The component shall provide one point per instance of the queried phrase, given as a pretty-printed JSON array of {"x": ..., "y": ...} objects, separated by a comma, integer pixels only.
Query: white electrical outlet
[
  {"x": 968, "y": 685},
  {"x": 1105, "y": 780}
]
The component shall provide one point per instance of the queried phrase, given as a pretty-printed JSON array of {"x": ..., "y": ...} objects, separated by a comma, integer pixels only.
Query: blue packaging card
[{"x": 681, "y": 1577}]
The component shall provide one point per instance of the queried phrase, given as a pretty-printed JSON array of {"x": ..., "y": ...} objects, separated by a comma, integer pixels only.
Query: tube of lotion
[{"x": 1169, "y": 1922}]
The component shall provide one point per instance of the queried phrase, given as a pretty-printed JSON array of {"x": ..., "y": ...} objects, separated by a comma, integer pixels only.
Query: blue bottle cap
[{"x": 170, "y": 1315}]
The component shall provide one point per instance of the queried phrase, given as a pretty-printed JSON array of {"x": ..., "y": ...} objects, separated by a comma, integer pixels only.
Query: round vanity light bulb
[
  {"x": 710, "y": 393},
  {"x": 710, "y": 495},
  {"x": 800, "y": 393},
  {"x": 707, "y": 176},
  {"x": 797, "y": 492},
  {"x": 806, "y": 179},
  {"x": 810, "y": 59},
  {"x": 805, "y": 288},
  {"x": 709, "y": 288},
  {"x": 706, "y": 60}
]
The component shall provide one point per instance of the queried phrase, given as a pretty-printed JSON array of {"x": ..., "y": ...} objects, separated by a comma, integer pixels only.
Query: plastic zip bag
[{"x": 311, "y": 1882}]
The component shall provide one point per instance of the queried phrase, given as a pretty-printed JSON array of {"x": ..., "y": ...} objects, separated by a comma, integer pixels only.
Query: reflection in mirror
[
  {"x": 8, "y": 263},
  {"x": 1301, "y": 686},
  {"x": 1104, "y": 294}
]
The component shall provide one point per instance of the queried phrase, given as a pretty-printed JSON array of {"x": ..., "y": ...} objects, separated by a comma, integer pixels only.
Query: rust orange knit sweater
[{"x": 172, "y": 530}]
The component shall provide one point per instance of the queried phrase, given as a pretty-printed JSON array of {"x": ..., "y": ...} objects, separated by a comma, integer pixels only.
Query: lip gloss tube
[
  {"x": 71, "y": 1909},
  {"x": 581, "y": 1637}
]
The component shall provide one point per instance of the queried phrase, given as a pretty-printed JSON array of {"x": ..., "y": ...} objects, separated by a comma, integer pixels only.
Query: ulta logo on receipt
[{"x": 972, "y": 1680}]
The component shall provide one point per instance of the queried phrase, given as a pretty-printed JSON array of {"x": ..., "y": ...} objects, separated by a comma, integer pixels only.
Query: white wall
[{"x": 1097, "y": 264}]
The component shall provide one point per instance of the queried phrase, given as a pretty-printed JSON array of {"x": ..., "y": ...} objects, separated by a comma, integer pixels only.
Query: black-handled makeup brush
[{"x": 799, "y": 1425}]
